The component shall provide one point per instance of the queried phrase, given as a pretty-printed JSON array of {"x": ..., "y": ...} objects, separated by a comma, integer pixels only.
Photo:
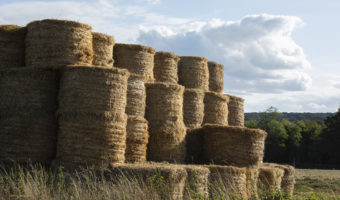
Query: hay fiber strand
[
  {"x": 216, "y": 77},
  {"x": 136, "y": 96},
  {"x": 93, "y": 140},
  {"x": 215, "y": 109},
  {"x": 56, "y": 43},
  {"x": 194, "y": 142},
  {"x": 164, "y": 175},
  {"x": 27, "y": 114},
  {"x": 138, "y": 59},
  {"x": 102, "y": 49},
  {"x": 193, "y": 72},
  {"x": 12, "y": 48},
  {"x": 193, "y": 107},
  {"x": 196, "y": 186},
  {"x": 89, "y": 89},
  {"x": 270, "y": 178},
  {"x": 137, "y": 136},
  {"x": 288, "y": 178},
  {"x": 233, "y": 145},
  {"x": 236, "y": 111},
  {"x": 227, "y": 179},
  {"x": 166, "y": 67},
  {"x": 164, "y": 104}
]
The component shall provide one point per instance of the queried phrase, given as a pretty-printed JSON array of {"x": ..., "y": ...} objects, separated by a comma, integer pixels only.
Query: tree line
[{"x": 302, "y": 143}]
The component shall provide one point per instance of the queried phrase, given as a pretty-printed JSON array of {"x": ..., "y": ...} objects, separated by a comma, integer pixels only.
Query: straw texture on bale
[
  {"x": 92, "y": 119},
  {"x": 288, "y": 179},
  {"x": 231, "y": 179},
  {"x": 196, "y": 186},
  {"x": 56, "y": 43},
  {"x": 137, "y": 136},
  {"x": 138, "y": 59},
  {"x": 216, "y": 77},
  {"x": 102, "y": 49},
  {"x": 136, "y": 96},
  {"x": 193, "y": 107},
  {"x": 194, "y": 142},
  {"x": 165, "y": 68},
  {"x": 27, "y": 114},
  {"x": 215, "y": 108},
  {"x": 236, "y": 111},
  {"x": 252, "y": 182},
  {"x": 270, "y": 178},
  {"x": 89, "y": 89},
  {"x": 171, "y": 177},
  {"x": 193, "y": 72},
  {"x": 233, "y": 145},
  {"x": 164, "y": 104},
  {"x": 12, "y": 46},
  {"x": 94, "y": 140}
]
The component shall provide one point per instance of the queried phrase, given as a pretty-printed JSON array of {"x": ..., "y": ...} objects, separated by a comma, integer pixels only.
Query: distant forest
[{"x": 291, "y": 116}]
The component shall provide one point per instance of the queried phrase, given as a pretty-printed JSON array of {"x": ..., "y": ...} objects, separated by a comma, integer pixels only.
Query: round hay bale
[
  {"x": 136, "y": 96},
  {"x": 102, "y": 49},
  {"x": 164, "y": 104},
  {"x": 58, "y": 43},
  {"x": 216, "y": 76},
  {"x": 233, "y": 145},
  {"x": 12, "y": 48},
  {"x": 288, "y": 179},
  {"x": 138, "y": 59},
  {"x": 88, "y": 89},
  {"x": 165, "y": 68},
  {"x": 196, "y": 186},
  {"x": 215, "y": 108},
  {"x": 193, "y": 107},
  {"x": 137, "y": 136},
  {"x": 193, "y": 72},
  {"x": 194, "y": 143},
  {"x": 236, "y": 111},
  {"x": 227, "y": 181},
  {"x": 96, "y": 140},
  {"x": 28, "y": 89},
  {"x": 270, "y": 178}
]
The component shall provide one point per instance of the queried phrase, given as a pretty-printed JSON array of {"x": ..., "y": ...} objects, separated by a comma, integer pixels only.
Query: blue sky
[{"x": 276, "y": 53}]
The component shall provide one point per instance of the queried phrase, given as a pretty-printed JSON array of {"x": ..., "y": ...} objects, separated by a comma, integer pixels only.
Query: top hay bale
[
  {"x": 56, "y": 43},
  {"x": 216, "y": 75},
  {"x": 165, "y": 69},
  {"x": 102, "y": 49},
  {"x": 138, "y": 59},
  {"x": 193, "y": 72},
  {"x": 12, "y": 48},
  {"x": 236, "y": 111}
]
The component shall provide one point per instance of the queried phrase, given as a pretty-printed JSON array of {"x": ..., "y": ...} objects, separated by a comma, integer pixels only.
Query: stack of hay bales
[
  {"x": 92, "y": 119},
  {"x": 57, "y": 43},
  {"x": 138, "y": 59},
  {"x": 166, "y": 127},
  {"x": 12, "y": 48},
  {"x": 216, "y": 76},
  {"x": 102, "y": 49},
  {"x": 166, "y": 67},
  {"x": 28, "y": 124},
  {"x": 235, "y": 111},
  {"x": 215, "y": 108}
]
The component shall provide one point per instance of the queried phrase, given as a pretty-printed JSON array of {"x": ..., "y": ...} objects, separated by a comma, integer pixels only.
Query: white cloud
[{"x": 258, "y": 52}]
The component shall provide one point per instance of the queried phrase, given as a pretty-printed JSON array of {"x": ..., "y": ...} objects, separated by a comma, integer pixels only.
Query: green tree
[{"x": 294, "y": 140}]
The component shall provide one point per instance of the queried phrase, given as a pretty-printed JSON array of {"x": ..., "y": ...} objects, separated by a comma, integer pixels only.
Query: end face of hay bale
[
  {"x": 236, "y": 111},
  {"x": 288, "y": 179},
  {"x": 197, "y": 183},
  {"x": 215, "y": 108},
  {"x": 102, "y": 49},
  {"x": 194, "y": 143},
  {"x": 193, "y": 72},
  {"x": 58, "y": 43},
  {"x": 12, "y": 48},
  {"x": 136, "y": 96},
  {"x": 137, "y": 136},
  {"x": 138, "y": 59},
  {"x": 227, "y": 181},
  {"x": 270, "y": 178},
  {"x": 233, "y": 145},
  {"x": 216, "y": 77},
  {"x": 193, "y": 107},
  {"x": 166, "y": 67}
]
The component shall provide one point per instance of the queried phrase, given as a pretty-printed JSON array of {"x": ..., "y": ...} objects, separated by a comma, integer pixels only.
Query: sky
[{"x": 282, "y": 53}]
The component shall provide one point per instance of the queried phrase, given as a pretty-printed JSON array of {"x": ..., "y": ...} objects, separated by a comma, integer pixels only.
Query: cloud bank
[{"x": 258, "y": 51}]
